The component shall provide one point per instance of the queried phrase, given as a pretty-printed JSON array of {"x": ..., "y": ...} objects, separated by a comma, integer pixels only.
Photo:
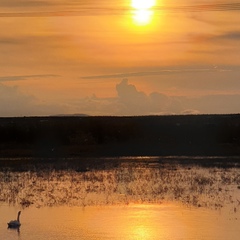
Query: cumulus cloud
[
  {"x": 139, "y": 103},
  {"x": 131, "y": 101},
  {"x": 128, "y": 92},
  {"x": 134, "y": 102},
  {"x": 15, "y": 103}
]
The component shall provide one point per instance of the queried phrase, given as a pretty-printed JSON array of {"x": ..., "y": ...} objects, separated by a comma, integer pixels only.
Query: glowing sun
[{"x": 143, "y": 13}]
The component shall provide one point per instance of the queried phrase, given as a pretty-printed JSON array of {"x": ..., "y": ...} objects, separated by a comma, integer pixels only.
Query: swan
[{"x": 15, "y": 223}]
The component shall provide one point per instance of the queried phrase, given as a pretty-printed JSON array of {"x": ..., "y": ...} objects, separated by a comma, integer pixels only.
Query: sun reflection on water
[{"x": 140, "y": 224}]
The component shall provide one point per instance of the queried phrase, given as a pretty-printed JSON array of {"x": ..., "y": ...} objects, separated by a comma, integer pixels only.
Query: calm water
[
  {"x": 165, "y": 221},
  {"x": 134, "y": 200}
]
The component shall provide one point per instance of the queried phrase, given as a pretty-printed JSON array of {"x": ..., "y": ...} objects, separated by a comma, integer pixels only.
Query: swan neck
[{"x": 18, "y": 217}]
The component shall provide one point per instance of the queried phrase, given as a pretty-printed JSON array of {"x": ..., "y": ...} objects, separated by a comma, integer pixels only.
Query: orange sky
[{"x": 69, "y": 56}]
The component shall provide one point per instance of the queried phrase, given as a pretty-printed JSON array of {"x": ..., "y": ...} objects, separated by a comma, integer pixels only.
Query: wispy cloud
[
  {"x": 8, "y": 40},
  {"x": 25, "y": 77},
  {"x": 152, "y": 73},
  {"x": 100, "y": 8},
  {"x": 230, "y": 36},
  {"x": 204, "y": 7},
  {"x": 24, "y": 3}
]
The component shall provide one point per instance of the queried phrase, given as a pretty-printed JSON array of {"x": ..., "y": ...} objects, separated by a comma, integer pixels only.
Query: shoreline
[
  {"x": 84, "y": 164},
  {"x": 81, "y": 137}
]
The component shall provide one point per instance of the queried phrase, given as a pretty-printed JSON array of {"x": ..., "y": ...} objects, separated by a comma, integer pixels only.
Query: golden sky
[{"x": 119, "y": 57}]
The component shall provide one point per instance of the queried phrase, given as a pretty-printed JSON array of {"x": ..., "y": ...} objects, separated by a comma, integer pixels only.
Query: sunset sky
[{"x": 119, "y": 57}]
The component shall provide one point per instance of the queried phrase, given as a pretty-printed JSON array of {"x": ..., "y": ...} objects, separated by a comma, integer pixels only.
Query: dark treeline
[{"x": 120, "y": 136}]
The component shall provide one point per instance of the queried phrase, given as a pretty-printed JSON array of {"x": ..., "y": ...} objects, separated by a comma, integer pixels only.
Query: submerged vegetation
[{"x": 129, "y": 182}]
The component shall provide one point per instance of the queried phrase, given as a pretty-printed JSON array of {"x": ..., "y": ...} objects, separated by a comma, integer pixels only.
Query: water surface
[
  {"x": 134, "y": 221},
  {"x": 131, "y": 200}
]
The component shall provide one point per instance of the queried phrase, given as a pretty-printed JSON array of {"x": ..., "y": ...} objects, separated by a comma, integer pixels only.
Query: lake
[{"x": 128, "y": 198}]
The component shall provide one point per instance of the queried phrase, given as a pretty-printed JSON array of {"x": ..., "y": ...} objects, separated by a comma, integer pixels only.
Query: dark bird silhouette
[{"x": 15, "y": 223}]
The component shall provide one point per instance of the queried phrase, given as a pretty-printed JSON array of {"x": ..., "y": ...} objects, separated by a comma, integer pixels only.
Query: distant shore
[
  {"x": 72, "y": 137},
  {"x": 84, "y": 164}
]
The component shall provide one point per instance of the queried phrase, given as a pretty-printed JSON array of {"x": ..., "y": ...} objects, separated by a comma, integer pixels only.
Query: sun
[
  {"x": 142, "y": 17},
  {"x": 143, "y": 11},
  {"x": 143, "y": 4}
]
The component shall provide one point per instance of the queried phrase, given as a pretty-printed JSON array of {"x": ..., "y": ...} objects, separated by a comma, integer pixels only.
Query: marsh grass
[{"x": 129, "y": 182}]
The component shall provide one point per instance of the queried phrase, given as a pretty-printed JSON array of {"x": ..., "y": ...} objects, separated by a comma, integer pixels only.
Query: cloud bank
[
  {"x": 128, "y": 102},
  {"x": 14, "y": 103}
]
